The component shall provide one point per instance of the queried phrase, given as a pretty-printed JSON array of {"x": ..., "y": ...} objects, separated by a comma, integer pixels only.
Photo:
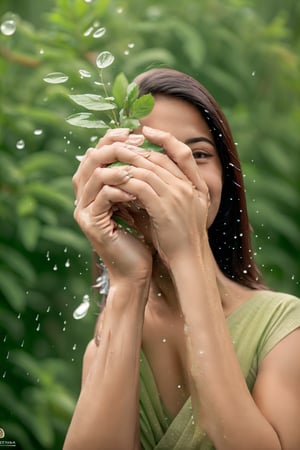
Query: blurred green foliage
[{"x": 247, "y": 55}]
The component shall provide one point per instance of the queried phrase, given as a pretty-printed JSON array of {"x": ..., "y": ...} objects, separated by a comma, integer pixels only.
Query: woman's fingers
[{"x": 179, "y": 152}]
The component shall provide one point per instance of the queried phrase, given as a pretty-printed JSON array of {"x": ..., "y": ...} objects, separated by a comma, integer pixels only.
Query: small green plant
[{"x": 120, "y": 108}]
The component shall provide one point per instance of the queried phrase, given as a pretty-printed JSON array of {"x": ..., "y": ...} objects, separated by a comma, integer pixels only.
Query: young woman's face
[{"x": 183, "y": 121}]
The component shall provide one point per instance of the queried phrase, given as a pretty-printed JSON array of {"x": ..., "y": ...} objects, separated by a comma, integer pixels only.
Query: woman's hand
[
  {"x": 99, "y": 192},
  {"x": 174, "y": 195}
]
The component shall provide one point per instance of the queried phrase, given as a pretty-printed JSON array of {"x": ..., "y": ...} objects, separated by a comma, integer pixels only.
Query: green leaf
[
  {"x": 93, "y": 102},
  {"x": 11, "y": 289},
  {"x": 29, "y": 231},
  {"x": 119, "y": 89},
  {"x": 65, "y": 237},
  {"x": 17, "y": 263},
  {"x": 142, "y": 106},
  {"x": 150, "y": 146},
  {"x": 131, "y": 94},
  {"x": 129, "y": 123},
  {"x": 83, "y": 120}
]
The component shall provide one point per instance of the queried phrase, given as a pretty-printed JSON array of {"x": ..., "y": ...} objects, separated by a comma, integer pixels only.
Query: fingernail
[
  {"x": 117, "y": 132},
  {"x": 149, "y": 130},
  {"x": 135, "y": 139}
]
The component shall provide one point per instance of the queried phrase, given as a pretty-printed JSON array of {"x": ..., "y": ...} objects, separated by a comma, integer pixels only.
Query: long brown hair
[{"x": 229, "y": 235}]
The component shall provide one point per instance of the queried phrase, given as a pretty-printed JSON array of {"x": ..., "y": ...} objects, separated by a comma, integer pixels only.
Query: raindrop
[
  {"x": 7, "y": 356},
  {"x": 84, "y": 73},
  {"x": 56, "y": 78},
  {"x": 37, "y": 317},
  {"x": 8, "y": 27},
  {"x": 20, "y": 144},
  {"x": 48, "y": 255},
  {"x": 88, "y": 31},
  {"x": 42, "y": 51},
  {"x": 38, "y": 327},
  {"x": 253, "y": 73},
  {"x": 159, "y": 294},
  {"x": 81, "y": 311},
  {"x": 22, "y": 344},
  {"x": 99, "y": 33},
  {"x": 55, "y": 267},
  {"x": 67, "y": 263},
  {"x": 4, "y": 374},
  {"x": 88, "y": 1},
  {"x": 293, "y": 277},
  {"x": 126, "y": 52},
  {"x": 119, "y": 10},
  {"x": 179, "y": 386},
  {"x": 4, "y": 339},
  {"x": 48, "y": 309},
  {"x": 74, "y": 347},
  {"x": 104, "y": 59},
  {"x": 65, "y": 249},
  {"x": 38, "y": 132},
  {"x": 164, "y": 340},
  {"x": 131, "y": 45},
  {"x": 19, "y": 316}
]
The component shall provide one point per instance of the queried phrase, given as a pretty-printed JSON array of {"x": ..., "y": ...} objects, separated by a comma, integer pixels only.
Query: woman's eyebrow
[{"x": 199, "y": 139}]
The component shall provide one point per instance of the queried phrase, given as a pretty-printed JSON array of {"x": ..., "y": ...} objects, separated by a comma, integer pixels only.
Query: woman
[{"x": 191, "y": 350}]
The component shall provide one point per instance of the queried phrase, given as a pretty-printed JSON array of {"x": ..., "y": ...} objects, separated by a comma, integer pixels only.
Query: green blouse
[{"x": 255, "y": 327}]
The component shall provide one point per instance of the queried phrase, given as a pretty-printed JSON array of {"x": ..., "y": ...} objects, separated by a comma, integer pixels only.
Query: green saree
[{"x": 255, "y": 328}]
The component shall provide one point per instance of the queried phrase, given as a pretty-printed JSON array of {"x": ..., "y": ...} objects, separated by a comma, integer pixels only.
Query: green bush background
[{"x": 247, "y": 55}]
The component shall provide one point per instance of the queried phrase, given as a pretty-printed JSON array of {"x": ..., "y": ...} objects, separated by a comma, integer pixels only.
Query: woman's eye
[{"x": 200, "y": 154}]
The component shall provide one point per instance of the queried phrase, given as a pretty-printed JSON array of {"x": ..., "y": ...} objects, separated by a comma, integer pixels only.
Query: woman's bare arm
[
  {"x": 106, "y": 414},
  {"x": 222, "y": 403}
]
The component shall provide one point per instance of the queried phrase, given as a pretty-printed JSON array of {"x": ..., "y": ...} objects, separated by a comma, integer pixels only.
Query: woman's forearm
[
  {"x": 222, "y": 403},
  {"x": 106, "y": 415}
]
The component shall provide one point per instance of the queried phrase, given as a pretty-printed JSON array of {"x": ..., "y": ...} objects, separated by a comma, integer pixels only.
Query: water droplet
[
  {"x": 7, "y": 356},
  {"x": 5, "y": 338},
  {"x": 88, "y": 1},
  {"x": 19, "y": 316},
  {"x": 56, "y": 78},
  {"x": 67, "y": 263},
  {"x": 99, "y": 33},
  {"x": 179, "y": 386},
  {"x": 253, "y": 73},
  {"x": 8, "y": 27},
  {"x": 55, "y": 267},
  {"x": 42, "y": 51},
  {"x": 84, "y": 73},
  {"x": 37, "y": 317},
  {"x": 126, "y": 52},
  {"x": 38, "y": 327},
  {"x": 38, "y": 132},
  {"x": 20, "y": 144},
  {"x": 164, "y": 340},
  {"x": 104, "y": 59},
  {"x": 81, "y": 311},
  {"x": 293, "y": 277},
  {"x": 131, "y": 45},
  {"x": 119, "y": 10},
  {"x": 88, "y": 31},
  {"x": 74, "y": 347},
  {"x": 159, "y": 294},
  {"x": 48, "y": 309},
  {"x": 4, "y": 374},
  {"x": 22, "y": 344},
  {"x": 48, "y": 255}
]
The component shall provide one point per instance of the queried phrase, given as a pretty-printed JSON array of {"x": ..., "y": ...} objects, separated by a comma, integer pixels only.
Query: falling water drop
[
  {"x": 81, "y": 311},
  {"x": 55, "y": 267},
  {"x": 74, "y": 347},
  {"x": 38, "y": 132},
  {"x": 20, "y": 144},
  {"x": 56, "y": 78},
  {"x": 84, "y": 73},
  {"x": 104, "y": 59},
  {"x": 67, "y": 263},
  {"x": 99, "y": 33},
  {"x": 8, "y": 27}
]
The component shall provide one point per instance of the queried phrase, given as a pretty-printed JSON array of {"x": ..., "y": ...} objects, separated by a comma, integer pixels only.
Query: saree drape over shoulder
[{"x": 255, "y": 327}]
